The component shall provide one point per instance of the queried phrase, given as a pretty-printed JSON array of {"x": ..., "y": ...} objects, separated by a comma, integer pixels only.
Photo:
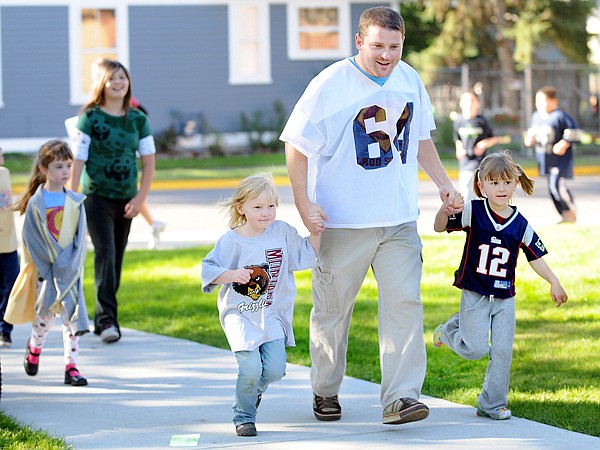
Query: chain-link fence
[{"x": 508, "y": 102}]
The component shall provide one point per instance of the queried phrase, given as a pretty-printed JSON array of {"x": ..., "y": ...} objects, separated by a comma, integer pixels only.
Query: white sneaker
[
  {"x": 110, "y": 334},
  {"x": 504, "y": 413},
  {"x": 157, "y": 228}
]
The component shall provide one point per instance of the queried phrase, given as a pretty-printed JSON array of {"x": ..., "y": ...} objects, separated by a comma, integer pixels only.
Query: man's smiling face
[{"x": 379, "y": 50}]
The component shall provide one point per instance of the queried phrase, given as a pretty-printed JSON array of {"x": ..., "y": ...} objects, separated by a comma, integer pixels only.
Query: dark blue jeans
[
  {"x": 109, "y": 231},
  {"x": 9, "y": 269}
]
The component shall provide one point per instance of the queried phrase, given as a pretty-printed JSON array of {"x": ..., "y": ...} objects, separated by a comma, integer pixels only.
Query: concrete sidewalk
[{"x": 150, "y": 392}]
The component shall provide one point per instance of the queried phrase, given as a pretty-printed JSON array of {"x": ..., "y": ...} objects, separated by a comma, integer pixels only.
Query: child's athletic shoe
[
  {"x": 32, "y": 359},
  {"x": 157, "y": 228},
  {"x": 5, "y": 340},
  {"x": 246, "y": 429},
  {"x": 502, "y": 415},
  {"x": 437, "y": 334},
  {"x": 73, "y": 377}
]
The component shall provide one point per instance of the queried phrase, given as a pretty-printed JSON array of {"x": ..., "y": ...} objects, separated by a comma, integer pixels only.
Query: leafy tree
[
  {"x": 502, "y": 35},
  {"x": 420, "y": 29}
]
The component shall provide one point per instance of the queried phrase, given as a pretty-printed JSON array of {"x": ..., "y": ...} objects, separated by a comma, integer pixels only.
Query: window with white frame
[
  {"x": 249, "y": 43},
  {"x": 318, "y": 30},
  {"x": 99, "y": 30}
]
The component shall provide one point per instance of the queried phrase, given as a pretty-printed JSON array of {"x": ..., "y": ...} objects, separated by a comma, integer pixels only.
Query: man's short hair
[
  {"x": 548, "y": 91},
  {"x": 381, "y": 16}
]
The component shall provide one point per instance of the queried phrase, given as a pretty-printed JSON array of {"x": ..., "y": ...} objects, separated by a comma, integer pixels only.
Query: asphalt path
[{"x": 193, "y": 217}]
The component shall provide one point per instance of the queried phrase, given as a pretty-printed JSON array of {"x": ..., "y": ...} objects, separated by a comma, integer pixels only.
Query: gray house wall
[
  {"x": 179, "y": 64},
  {"x": 35, "y": 64},
  {"x": 178, "y": 58}
]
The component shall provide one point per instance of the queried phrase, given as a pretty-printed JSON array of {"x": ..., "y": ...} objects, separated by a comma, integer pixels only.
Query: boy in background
[
  {"x": 554, "y": 132},
  {"x": 473, "y": 135}
]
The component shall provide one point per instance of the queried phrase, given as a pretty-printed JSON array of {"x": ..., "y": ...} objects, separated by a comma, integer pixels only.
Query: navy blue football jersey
[
  {"x": 548, "y": 131},
  {"x": 470, "y": 132},
  {"x": 489, "y": 259}
]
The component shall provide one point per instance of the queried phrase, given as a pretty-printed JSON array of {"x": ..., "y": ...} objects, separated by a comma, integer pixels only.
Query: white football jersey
[{"x": 361, "y": 140}]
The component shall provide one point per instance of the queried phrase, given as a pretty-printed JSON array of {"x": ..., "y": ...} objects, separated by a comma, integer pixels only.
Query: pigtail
[
  {"x": 526, "y": 183},
  {"x": 476, "y": 189},
  {"x": 37, "y": 178}
]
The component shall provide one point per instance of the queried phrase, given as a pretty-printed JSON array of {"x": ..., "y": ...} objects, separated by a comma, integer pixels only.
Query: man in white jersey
[{"x": 354, "y": 142}]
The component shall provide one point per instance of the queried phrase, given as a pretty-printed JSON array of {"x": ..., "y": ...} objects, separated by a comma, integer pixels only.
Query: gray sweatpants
[{"x": 485, "y": 325}]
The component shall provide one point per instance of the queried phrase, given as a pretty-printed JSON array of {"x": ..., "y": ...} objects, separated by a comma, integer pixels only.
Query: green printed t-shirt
[{"x": 111, "y": 169}]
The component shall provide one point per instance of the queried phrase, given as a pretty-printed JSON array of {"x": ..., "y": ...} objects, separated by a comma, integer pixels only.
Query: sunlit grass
[
  {"x": 13, "y": 436},
  {"x": 555, "y": 368}
]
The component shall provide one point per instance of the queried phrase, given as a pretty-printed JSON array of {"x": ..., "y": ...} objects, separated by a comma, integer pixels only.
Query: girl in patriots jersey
[{"x": 496, "y": 231}]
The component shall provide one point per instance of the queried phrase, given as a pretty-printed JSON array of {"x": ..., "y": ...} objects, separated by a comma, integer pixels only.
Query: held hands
[
  {"x": 317, "y": 221},
  {"x": 453, "y": 201},
  {"x": 446, "y": 208},
  {"x": 313, "y": 217}
]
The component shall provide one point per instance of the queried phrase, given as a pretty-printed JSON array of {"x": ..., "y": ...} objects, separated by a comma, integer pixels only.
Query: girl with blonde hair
[{"x": 254, "y": 263}]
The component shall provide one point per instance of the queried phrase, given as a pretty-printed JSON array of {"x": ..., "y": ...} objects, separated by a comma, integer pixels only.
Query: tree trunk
[{"x": 508, "y": 75}]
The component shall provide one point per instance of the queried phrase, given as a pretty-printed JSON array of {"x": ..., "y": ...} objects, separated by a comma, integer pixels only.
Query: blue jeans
[
  {"x": 9, "y": 270},
  {"x": 256, "y": 370}
]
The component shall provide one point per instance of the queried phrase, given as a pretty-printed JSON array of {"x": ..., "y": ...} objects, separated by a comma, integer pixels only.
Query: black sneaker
[
  {"x": 30, "y": 368},
  {"x": 327, "y": 408},
  {"x": 5, "y": 340},
  {"x": 404, "y": 410},
  {"x": 74, "y": 378},
  {"x": 246, "y": 429}
]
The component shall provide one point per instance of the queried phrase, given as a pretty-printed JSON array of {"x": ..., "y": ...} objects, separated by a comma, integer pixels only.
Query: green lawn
[{"x": 13, "y": 436}]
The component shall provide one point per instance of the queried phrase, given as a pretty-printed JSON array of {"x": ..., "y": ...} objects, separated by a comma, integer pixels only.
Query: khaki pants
[{"x": 394, "y": 253}]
